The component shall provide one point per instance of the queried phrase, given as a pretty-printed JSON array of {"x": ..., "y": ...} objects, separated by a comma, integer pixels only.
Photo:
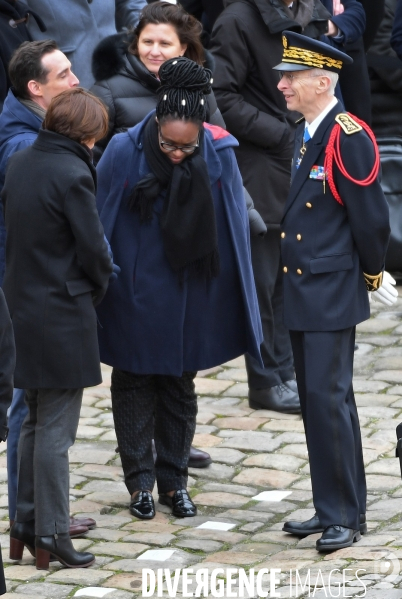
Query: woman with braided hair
[{"x": 172, "y": 205}]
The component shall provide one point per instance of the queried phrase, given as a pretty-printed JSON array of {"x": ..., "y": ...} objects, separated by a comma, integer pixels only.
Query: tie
[{"x": 306, "y": 139}]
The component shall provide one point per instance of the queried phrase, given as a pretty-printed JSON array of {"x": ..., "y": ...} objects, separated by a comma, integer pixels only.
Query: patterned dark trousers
[{"x": 160, "y": 407}]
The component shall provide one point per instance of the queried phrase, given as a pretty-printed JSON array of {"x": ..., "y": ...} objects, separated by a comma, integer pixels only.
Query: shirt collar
[{"x": 313, "y": 126}]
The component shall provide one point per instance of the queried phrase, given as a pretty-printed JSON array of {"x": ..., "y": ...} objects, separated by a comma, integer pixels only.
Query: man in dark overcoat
[
  {"x": 334, "y": 236},
  {"x": 246, "y": 43}
]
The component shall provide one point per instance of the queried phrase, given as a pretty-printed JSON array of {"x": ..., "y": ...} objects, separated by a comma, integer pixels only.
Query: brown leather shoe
[
  {"x": 198, "y": 458},
  {"x": 77, "y": 530},
  {"x": 88, "y": 522}
]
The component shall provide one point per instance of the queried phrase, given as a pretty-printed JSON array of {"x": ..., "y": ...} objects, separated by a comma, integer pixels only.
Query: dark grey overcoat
[
  {"x": 246, "y": 43},
  {"x": 57, "y": 263}
]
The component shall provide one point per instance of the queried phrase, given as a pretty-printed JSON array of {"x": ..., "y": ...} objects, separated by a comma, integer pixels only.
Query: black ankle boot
[
  {"x": 63, "y": 550},
  {"x": 22, "y": 534}
]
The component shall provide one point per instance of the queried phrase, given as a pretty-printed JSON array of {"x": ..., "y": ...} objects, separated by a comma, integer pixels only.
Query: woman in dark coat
[
  {"x": 57, "y": 269},
  {"x": 171, "y": 201},
  {"x": 126, "y": 67}
]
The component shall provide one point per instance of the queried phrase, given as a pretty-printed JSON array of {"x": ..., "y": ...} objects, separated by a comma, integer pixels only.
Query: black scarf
[{"x": 187, "y": 221}]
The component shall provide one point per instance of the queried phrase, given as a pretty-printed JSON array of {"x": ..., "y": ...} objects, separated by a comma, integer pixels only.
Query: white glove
[{"x": 386, "y": 294}]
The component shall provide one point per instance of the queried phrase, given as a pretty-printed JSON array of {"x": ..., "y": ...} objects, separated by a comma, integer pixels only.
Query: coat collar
[
  {"x": 54, "y": 143},
  {"x": 314, "y": 149}
]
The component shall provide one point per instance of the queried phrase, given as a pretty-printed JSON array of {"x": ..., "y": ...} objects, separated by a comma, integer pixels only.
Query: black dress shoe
[
  {"x": 314, "y": 526},
  {"x": 61, "y": 547},
  {"x": 337, "y": 537},
  {"x": 22, "y": 534},
  {"x": 279, "y": 399},
  {"x": 142, "y": 505},
  {"x": 181, "y": 504},
  {"x": 292, "y": 385},
  {"x": 198, "y": 458}
]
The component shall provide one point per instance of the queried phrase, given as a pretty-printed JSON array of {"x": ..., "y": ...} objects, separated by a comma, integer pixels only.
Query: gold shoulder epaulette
[
  {"x": 347, "y": 123},
  {"x": 300, "y": 120}
]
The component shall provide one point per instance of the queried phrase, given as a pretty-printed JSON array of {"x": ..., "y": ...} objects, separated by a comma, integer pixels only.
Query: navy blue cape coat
[{"x": 149, "y": 323}]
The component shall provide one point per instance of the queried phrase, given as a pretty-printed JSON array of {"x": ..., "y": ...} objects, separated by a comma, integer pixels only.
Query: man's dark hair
[{"x": 26, "y": 64}]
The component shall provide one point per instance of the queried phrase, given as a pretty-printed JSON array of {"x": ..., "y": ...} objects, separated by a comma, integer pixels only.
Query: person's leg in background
[
  {"x": 271, "y": 387},
  {"x": 17, "y": 413}
]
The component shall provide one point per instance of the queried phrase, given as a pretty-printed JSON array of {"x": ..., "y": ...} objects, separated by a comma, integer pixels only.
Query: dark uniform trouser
[
  {"x": 160, "y": 407},
  {"x": 324, "y": 372},
  {"x": 47, "y": 433},
  {"x": 276, "y": 350}
]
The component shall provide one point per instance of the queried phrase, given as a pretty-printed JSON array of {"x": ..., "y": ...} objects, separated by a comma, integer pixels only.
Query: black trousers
[
  {"x": 324, "y": 372},
  {"x": 276, "y": 350},
  {"x": 160, "y": 407},
  {"x": 47, "y": 433}
]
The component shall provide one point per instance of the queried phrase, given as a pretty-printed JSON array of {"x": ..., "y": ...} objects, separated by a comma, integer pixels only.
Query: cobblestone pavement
[{"x": 253, "y": 452}]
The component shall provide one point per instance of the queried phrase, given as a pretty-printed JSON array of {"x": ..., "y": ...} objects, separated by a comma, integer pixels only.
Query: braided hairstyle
[{"x": 183, "y": 90}]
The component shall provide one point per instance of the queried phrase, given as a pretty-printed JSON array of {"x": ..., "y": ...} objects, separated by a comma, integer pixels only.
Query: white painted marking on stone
[
  {"x": 93, "y": 592},
  {"x": 216, "y": 525},
  {"x": 159, "y": 555},
  {"x": 271, "y": 495}
]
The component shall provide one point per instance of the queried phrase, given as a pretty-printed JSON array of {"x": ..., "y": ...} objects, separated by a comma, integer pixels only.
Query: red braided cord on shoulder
[{"x": 333, "y": 152}]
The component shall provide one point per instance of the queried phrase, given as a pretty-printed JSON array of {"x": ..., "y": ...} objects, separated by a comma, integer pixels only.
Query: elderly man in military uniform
[{"x": 335, "y": 232}]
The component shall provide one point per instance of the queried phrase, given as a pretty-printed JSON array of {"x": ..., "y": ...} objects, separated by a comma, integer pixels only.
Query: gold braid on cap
[
  {"x": 309, "y": 59},
  {"x": 373, "y": 282}
]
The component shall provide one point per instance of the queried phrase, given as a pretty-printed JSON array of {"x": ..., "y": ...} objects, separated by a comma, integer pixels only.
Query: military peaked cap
[{"x": 301, "y": 52}]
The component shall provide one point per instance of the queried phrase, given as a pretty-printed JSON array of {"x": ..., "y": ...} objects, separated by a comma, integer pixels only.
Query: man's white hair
[{"x": 332, "y": 76}]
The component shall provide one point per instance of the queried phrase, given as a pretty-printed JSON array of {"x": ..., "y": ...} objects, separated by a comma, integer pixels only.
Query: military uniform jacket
[{"x": 326, "y": 247}]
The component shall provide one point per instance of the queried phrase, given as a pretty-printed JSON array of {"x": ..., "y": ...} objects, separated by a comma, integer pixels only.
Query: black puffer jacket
[{"x": 127, "y": 88}]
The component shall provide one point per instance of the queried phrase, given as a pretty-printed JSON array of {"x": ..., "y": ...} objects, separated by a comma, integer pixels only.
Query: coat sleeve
[
  {"x": 112, "y": 171},
  {"x": 91, "y": 248},
  {"x": 128, "y": 13},
  {"x": 352, "y": 21},
  {"x": 232, "y": 65},
  {"x": 19, "y": 142},
  {"x": 7, "y": 364},
  {"x": 104, "y": 172},
  {"x": 367, "y": 208},
  {"x": 396, "y": 39},
  {"x": 3, "y": 83}
]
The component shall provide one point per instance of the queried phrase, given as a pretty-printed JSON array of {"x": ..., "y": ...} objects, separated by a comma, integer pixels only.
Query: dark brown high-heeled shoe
[
  {"x": 22, "y": 534},
  {"x": 61, "y": 547}
]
